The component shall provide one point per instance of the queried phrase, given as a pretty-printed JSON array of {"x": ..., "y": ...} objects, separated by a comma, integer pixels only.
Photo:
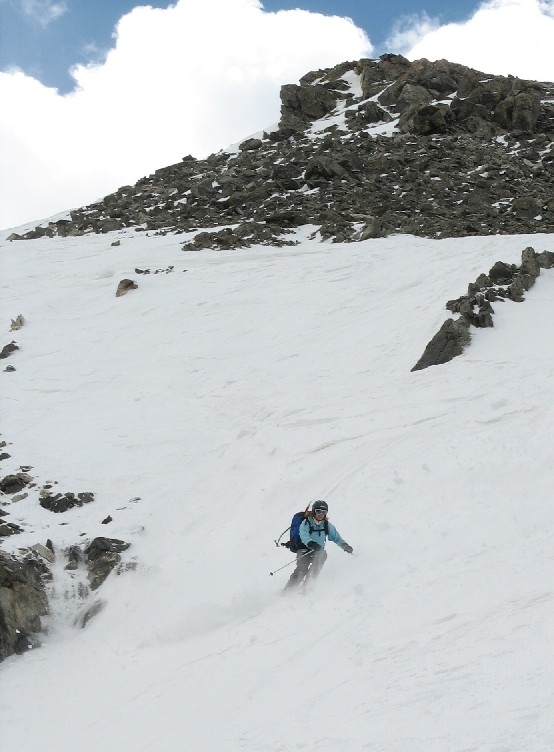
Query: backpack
[{"x": 294, "y": 542}]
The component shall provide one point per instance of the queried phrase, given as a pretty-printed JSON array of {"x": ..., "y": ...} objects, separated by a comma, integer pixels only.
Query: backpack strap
[{"x": 325, "y": 526}]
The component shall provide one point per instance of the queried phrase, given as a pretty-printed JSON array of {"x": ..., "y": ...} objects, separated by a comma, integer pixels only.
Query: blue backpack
[{"x": 294, "y": 543}]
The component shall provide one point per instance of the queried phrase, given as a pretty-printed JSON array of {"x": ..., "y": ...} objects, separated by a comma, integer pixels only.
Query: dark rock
[
  {"x": 74, "y": 557},
  {"x": 287, "y": 177},
  {"x": 124, "y": 286},
  {"x": 251, "y": 144},
  {"x": 530, "y": 265},
  {"x": 12, "y": 484},
  {"x": 517, "y": 288},
  {"x": 8, "y": 350},
  {"x": 546, "y": 259},
  {"x": 303, "y": 104},
  {"x": 480, "y": 294},
  {"x": 484, "y": 316},
  {"x": 287, "y": 219},
  {"x": 520, "y": 112},
  {"x": 373, "y": 73},
  {"x": 103, "y": 556},
  {"x": 526, "y": 207},
  {"x": 321, "y": 170},
  {"x": 9, "y": 528},
  {"x": 426, "y": 120},
  {"x": 501, "y": 273},
  {"x": 450, "y": 341},
  {"x": 368, "y": 113},
  {"x": 59, "y": 503},
  {"x": 483, "y": 281},
  {"x": 22, "y": 603}
]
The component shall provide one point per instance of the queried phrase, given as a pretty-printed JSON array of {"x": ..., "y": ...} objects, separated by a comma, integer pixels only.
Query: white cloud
[
  {"x": 503, "y": 37},
  {"x": 43, "y": 11},
  {"x": 408, "y": 30},
  {"x": 191, "y": 78}
]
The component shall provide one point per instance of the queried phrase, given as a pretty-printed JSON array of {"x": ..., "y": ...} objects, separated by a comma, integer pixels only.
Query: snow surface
[{"x": 211, "y": 403}]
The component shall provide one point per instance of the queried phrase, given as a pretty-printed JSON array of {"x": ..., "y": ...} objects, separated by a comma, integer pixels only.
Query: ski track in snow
[{"x": 206, "y": 407}]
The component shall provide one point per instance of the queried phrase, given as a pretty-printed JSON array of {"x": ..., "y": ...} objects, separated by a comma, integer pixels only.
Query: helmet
[{"x": 320, "y": 506}]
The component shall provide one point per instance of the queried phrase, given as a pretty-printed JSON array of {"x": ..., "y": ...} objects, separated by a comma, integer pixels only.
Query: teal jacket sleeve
[{"x": 335, "y": 536}]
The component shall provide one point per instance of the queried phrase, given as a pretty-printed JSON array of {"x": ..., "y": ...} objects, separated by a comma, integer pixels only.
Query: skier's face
[{"x": 319, "y": 515}]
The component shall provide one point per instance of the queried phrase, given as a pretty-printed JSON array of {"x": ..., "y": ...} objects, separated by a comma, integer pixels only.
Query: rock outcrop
[
  {"x": 503, "y": 282},
  {"x": 25, "y": 576},
  {"x": 61, "y": 502},
  {"x": 23, "y": 602},
  {"x": 387, "y": 146},
  {"x": 103, "y": 555}
]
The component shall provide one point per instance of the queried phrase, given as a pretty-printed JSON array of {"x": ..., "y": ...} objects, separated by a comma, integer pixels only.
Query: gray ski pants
[{"x": 307, "y": 565}]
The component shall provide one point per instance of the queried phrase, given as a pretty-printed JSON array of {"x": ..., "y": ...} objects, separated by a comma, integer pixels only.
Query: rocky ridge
[
  {"x": 503, "y": 282},
  {"x": 365, "y": 149},
  {"x": 27, "y": 581}
]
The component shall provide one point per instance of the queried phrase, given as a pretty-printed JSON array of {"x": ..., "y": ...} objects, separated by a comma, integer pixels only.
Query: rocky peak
[{"x": 364, "y": 149}]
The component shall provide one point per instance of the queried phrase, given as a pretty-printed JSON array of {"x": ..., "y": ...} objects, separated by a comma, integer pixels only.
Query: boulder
[
  {"x": 322, "y": 169},
  {"x": 303, "y": 104},
  {"x": 23, "y": 602},
  {"x": 251, "y": 144},
  {"x": 450, "y": 341},
  {"x": 501, "y": 273},
  {"x": 124, "y": 287},
  {"x": 103, "y": 555},
  {"x": 546, "y": 259},
  {"x": 374, "y": 72},
  {"x": 519, "y": 113},
  {"x": 8, "y": 350},
  {"x": 530, "y": 264},
  {"x": 426, "y": 120},
  {"x": 59, "y": 503},
  {"x": 12, "y": 484},
  {"x": 526, "y": 207},
  {"x": 17, "y": 323},
  {"x": 9, "y": 528}
]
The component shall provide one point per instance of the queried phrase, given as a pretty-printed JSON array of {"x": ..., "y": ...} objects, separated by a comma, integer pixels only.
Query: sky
[
  {"x": 207, "y": 406},
  {"x": 97, "y": 95}
]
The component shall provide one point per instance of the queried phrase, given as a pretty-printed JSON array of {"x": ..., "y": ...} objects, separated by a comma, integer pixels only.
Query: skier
[{"x": 311, "y": 555}]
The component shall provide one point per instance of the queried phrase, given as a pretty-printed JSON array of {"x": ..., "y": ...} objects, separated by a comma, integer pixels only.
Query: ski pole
[{"x": 291, "y": 562}]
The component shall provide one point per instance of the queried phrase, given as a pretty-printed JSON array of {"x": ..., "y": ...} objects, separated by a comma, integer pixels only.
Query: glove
[
  {"x": 347, "y": 548},
  {"x": 313, "y": 546}
]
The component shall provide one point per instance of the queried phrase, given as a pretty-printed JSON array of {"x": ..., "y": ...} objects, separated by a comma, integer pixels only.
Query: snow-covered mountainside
[
  {"x": 363, "y": 150},
  {"x": 205, "y": 407}
]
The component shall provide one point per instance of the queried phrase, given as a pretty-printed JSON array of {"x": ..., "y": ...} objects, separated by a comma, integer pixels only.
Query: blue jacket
[{"x": 317, "y": 533}]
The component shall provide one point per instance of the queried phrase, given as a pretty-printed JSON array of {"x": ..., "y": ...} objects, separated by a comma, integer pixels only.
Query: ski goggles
[{"x": 320, "y": 511}]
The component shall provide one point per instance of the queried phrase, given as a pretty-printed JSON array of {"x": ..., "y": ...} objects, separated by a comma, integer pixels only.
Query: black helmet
[{"x": 320, "y": 506}]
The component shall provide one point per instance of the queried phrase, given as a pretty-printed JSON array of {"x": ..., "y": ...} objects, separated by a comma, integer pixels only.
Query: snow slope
[{"x": 211, "y": 403}]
